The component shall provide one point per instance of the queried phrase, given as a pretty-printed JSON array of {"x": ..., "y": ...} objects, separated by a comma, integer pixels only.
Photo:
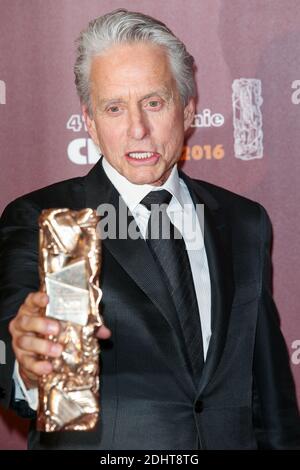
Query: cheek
[
  {"x": 174, "y": 135},
  {"x": 109, "y": 137},
  {"x": 172, "y": 125}
]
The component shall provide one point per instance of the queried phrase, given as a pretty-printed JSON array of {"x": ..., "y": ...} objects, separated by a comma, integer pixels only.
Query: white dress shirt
[{"x": 183, "y": 215}]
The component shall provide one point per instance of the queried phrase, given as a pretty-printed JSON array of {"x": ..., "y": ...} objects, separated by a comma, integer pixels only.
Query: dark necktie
[{"x": 169, "y": 251}]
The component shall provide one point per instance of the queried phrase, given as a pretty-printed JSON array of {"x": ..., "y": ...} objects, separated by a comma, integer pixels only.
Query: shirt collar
[{"x": 132, "y": 194}]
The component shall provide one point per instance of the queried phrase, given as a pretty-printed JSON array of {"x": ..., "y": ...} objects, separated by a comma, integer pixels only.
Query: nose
[{"x": 138, "y": 127}]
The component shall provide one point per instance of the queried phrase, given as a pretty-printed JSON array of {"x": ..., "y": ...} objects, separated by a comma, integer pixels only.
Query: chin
[{"x": 141, "y": 178}]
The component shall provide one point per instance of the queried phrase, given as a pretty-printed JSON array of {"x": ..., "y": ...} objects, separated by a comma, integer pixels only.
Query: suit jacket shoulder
[{"x": 243, "y": 215}]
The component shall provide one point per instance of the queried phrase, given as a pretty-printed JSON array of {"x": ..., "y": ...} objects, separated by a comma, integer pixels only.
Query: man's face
[{"x": 138, "y": 118}]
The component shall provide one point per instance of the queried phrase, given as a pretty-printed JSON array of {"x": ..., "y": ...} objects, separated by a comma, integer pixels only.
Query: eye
[
  {"x": 154, "y": 103},
  {"x": 113, "y": 109}
]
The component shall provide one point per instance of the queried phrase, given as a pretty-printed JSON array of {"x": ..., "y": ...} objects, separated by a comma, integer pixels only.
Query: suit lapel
[
  {"x": 133, "y": 255},
  {"x": 135, "y": 258},
  {"x": 217, "y": 241}
]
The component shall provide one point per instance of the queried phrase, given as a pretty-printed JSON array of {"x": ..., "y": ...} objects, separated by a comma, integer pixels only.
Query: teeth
[{"x": 140, "y": 155}]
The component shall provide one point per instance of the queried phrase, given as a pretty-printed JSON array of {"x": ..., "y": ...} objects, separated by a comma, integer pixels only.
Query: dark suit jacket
[{"x": 245, "y": 397}]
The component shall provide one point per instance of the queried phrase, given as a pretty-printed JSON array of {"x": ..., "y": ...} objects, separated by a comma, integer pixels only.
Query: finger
[
  {"x": 103, "y": 332},
  {"x": 41, "y": 346},
  {"x": 32, "y": 311},
  {"x": 34, "y": 367},
  {"x": 41, "y": 325},
  {"x": 14, "y": 329},
  {"x": 36, "y": 300},
  {"x": 30, "y": 380}
]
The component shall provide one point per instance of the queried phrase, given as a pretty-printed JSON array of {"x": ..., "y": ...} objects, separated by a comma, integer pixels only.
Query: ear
[
  {"x": 90, "y": 124},
  {"x": 189, "y": 113}
]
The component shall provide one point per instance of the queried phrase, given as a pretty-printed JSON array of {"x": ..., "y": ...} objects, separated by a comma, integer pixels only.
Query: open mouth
[{"x": 141, "y": 157}]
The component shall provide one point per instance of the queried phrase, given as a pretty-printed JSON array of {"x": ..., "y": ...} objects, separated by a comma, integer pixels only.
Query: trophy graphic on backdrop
[{"x": 247, "y": 118}]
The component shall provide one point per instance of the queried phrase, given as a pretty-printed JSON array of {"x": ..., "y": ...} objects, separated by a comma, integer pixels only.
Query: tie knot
[{"x": 156, "y": 197}]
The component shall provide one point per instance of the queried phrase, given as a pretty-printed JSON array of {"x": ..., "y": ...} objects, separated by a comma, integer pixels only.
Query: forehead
[{"x": 131, "y": 68}]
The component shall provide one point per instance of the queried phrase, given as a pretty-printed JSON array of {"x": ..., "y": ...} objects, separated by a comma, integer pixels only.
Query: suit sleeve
[
  {"x": 276, "y": 415},
  {"x": 18, "y": 277}
]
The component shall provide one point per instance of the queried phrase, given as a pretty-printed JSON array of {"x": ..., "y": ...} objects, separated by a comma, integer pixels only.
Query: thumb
[{"x": 103, "y": 332}]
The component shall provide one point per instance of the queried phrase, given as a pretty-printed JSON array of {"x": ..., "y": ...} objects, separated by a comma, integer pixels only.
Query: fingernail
[
  {"x": 44, "y": 299},
  {"x": 56, "y": 349},
  {"x": 47, "y": 368},
  {"x": 52, "y": 328}
]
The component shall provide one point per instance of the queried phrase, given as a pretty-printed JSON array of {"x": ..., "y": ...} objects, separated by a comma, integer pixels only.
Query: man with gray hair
[{"x": 192, "y": 354}]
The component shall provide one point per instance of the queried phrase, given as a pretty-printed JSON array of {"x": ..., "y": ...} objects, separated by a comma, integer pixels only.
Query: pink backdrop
[{"x": 42, "y": 139}]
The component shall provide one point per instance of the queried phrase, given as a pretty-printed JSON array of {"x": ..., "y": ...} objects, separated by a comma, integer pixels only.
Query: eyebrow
[{"x": 164, "y": 92}]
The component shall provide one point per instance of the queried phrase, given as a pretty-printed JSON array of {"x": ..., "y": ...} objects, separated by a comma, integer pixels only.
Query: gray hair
[{"x": 122, "y": 26}]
